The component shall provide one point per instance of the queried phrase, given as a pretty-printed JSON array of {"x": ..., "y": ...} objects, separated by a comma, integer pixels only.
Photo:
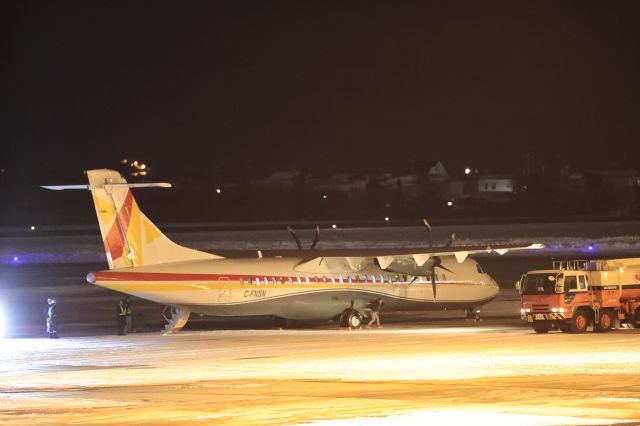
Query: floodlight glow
[
  {"x": 16, "y": 258},
  {"x": 334, "y": 226},
  {"x": 218, "y": 190},
  {"x": 450, "y": 203},
  {"x": 2, "y": 324},
  {"x": 33, "y": 228},
  {"x": 386, "y": 218},
  {"x": 467, "y": 171}
]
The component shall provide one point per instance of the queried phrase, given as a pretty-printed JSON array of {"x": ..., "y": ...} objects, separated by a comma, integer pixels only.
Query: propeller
[
  {"x": 426, "y": 223},
  {"x": 452, "y": 238},
  {"x": 295, "y": 237},
  {"x": 316, "y": 237},
  {"x": 431, "y": 265}
]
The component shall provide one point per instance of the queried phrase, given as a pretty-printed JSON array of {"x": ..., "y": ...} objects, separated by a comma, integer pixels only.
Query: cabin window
[
  {"x": 249, "y": 281},
  {"x": 315, "y": 279},
  {"x": 299, "y": 280},
  {"x": 373, "y": 279},
  {"x": 340, "y": 280},
  {"x": 444, "y": 277},
  {"x": 324, "y": 280},
  {"x": 290, "y": 280},
  {"x": 333, "y": 280},
  {"x": 242, "y": 281},
  {"x": 357, "y": 278},
  {"x": 306, "y": 280},
  {"x": 281, "y": 280},
  {"x": 396, "y": 278},
  {"x": 381, "y": 279},
  {"x": 349, "y": 279},
  {"x": 266, "y": 281}
]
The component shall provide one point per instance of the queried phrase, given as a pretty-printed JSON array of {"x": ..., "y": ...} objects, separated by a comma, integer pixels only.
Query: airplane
[{"x": 310, "y": 284}]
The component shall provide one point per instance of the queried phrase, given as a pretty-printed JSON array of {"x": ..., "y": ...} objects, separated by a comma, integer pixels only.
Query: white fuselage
[{"x": 297, "y": 289}]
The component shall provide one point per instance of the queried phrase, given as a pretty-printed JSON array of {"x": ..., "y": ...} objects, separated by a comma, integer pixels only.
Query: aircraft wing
[{"x": 386, "y": 256}]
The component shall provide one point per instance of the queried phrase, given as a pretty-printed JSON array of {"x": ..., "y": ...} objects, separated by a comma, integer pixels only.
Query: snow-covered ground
[{"x": 559, "y": 238}]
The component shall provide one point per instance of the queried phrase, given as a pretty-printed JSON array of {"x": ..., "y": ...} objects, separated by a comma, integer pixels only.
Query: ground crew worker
[
  {"x": 121, "y": 311},
  {"x": 129, "y": 318},
  {"x": 52, "y": 319},
  {"x": 375, "y": 307}
]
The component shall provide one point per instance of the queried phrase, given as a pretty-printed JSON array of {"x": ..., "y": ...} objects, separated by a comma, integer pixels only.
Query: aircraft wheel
[
  {"x": 606, "y": 322},
  {"x": 580, "y": 322},
  {"x": 541, "y": 328},
  {"x": 351, "y": 318}
]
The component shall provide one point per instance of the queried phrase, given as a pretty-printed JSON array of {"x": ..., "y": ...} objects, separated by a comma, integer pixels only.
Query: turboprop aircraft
[{"x": 298, "y": 285}]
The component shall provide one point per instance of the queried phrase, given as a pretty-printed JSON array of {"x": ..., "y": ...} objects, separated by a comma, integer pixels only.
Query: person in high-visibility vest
[
  {"x": 52, "y": 319},
  {"x": 127, "y": 302},
  {"x": 121, "y": 311}
]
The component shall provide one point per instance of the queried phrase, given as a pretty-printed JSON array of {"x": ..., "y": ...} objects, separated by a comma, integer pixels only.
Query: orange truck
[{"x": 580, "y": 295}]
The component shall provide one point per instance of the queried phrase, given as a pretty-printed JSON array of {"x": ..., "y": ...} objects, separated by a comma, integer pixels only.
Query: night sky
[{"x": 237, "y": 88}]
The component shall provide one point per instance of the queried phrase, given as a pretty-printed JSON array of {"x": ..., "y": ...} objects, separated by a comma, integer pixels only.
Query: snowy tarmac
[{"x": 404, "y": 374}]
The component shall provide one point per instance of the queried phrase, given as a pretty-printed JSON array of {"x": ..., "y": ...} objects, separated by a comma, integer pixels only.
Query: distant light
[
  {"x": 386, "y": 218},
  {"x": 33, "y": 228},
  {"x": 144, "y": 166},
  {"x": 467, "y": 171},
  {"x": 450, "y": 203},
  {"x": 218, "y": 191},
  {"x": 15, "y": 258},
  {"x": 324, "y": 196},
  {"x": 334, "y": 226}
]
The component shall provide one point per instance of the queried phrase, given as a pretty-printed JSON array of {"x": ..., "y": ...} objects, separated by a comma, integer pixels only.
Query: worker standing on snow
[
  {"x": 121, "y": 311},
  {"x": 52, "y": 319}
]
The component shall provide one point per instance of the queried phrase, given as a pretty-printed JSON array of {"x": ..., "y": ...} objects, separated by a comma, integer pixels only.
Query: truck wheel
[
  {"x": 580, "y": 322},
  {"x": 605, "y": 323},
  {"x": 541, "y": 328}
]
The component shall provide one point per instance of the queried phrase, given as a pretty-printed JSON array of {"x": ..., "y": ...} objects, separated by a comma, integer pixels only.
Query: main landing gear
[
  {"x": 351, "y": 318},
  {"x": 176, "y": 319}
]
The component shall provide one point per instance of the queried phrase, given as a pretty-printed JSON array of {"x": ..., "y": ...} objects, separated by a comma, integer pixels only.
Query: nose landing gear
[{"x": 473, "y": 315}]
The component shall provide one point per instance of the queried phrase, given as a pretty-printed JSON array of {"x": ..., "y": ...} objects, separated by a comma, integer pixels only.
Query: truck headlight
[
  {"x": 522, "y": 310},
  {"x": 560, "y": 309},
  {"x": 554, "y": 309}
]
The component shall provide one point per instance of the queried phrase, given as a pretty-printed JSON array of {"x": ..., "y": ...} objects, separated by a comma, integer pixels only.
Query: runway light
[
  {"x": 386, "y": 218},
  {"x": 324, "y": 196},
  {"x": 450, "y": 203},
  {"x": 218, "y": 191},
  {"x": 334, "y": 226},
  {"x": 16, "y": 259},
  {"x": 467, "y": 171},
  {"x": 33, "y": 228}
]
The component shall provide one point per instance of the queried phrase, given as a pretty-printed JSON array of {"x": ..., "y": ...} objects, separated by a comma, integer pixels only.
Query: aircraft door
[{"x": 224, "y": 291}]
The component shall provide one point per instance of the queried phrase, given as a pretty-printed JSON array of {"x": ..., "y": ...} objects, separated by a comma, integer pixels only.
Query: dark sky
[{"x": 236, "y": 87}]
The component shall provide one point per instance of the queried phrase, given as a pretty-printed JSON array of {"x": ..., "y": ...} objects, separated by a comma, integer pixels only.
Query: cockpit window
[{"x": 479, "y": 268}]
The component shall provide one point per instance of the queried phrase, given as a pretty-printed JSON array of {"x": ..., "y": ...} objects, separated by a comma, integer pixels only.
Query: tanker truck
[{"x": 580, "y": 295}]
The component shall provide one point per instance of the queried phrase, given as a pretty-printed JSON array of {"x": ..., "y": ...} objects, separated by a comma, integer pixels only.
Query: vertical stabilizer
[{"x": 130, "y": 238}]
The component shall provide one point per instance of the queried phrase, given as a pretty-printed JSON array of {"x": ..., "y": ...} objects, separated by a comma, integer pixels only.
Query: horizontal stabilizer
[{"x": 109, "y": 186}]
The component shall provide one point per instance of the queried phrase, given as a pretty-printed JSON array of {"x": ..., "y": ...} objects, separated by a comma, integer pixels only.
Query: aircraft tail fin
[{"x": 130, "y": 238}]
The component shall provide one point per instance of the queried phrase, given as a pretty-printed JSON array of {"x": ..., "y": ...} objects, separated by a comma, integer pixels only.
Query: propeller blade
[
  {"x": 426, "y": 223},
  {"x": 451, "y": 240},
  {"x": 316, "y": 237},
  {"x": 443, "y": 267},
  {"x": 433, "y": 285},
  {"x": 295, "y": 237}
]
